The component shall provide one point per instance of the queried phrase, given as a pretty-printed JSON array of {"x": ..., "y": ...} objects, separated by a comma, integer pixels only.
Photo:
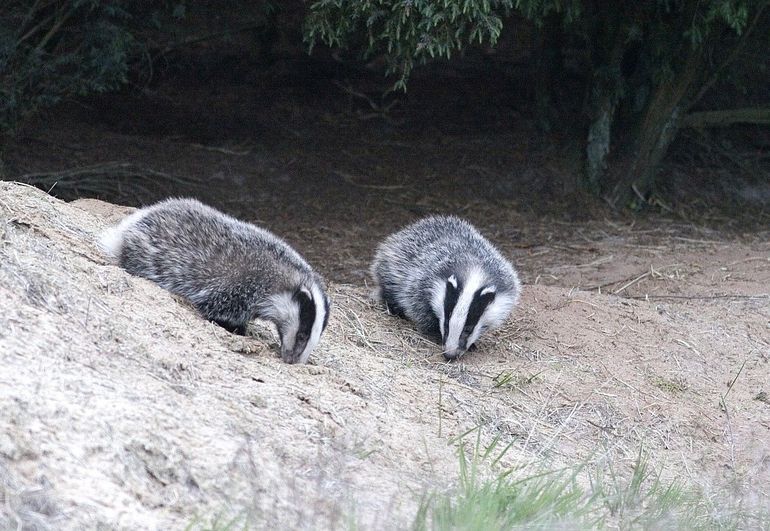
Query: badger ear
[
  {"x": 488, "y": 289},
  {"x": 452, "y": 281},
  {"x": 303, "y": 293}
]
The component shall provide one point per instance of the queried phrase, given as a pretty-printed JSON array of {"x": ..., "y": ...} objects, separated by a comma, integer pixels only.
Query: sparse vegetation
[
  {"x": 25, "y": 506},
  {"x": 588, "y": 495},
  {"x": 673, "y": 385},
  {"x": 514, "y": 379},
  {"x": 219, "y": 522}
]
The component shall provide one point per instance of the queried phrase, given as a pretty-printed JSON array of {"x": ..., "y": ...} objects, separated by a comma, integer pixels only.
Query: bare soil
[{"x": 121, "y": 408}]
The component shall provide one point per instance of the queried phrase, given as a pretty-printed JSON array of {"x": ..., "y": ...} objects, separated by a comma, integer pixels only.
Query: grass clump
[
  {"x": 584, "y": 496},
  {"x": 673, "y": 386},
  {"x": 218, "y": 522}
]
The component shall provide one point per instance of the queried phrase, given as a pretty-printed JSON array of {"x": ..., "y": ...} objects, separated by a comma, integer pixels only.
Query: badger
[
  {"x": 231, "y": 271},
  {"x": 441, "y": 273}
]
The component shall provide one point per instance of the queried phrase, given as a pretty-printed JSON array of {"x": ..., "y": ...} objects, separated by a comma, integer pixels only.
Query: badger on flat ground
[
  {"x": 441, "y": 273},
  {"x": 230, "y": 270}
]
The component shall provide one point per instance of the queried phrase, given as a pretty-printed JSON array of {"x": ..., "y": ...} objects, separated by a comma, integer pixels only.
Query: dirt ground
[{"x": 119, "y": 407}]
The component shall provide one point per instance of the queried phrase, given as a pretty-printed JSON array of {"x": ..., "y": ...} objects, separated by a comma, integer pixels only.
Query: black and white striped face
[
  {"x": 466, "y": 308},
  {"x": 301, "y": 317}
]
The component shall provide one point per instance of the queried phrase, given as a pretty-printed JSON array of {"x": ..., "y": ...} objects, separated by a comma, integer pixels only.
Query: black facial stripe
[
  {"x": 450, "y": 301},
  {"x": 306, "y": 319},
  {"x": 327, "y": 305},
  {"x": 477, "y": 308}
]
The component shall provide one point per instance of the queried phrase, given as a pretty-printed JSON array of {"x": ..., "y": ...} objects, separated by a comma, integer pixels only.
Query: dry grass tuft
[{"x": 26, "y": 507}]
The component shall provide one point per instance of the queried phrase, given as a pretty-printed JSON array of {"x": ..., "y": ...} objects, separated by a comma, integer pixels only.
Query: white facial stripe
[
  {"x": 437, "y": 303},
  {"x": 457, "y": 320},
  {"x": 494, "y": 315},
  {"x": 284, "y": 309},
  {"x": 315, "y": 332}
]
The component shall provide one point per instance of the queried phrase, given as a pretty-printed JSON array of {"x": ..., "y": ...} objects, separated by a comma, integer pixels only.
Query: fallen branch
[
  {"x": 698, "y": 297},
  {"x": 751, "y": 115}
]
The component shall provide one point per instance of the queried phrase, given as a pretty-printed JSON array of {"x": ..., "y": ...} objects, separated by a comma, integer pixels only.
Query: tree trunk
[
  {"x": 634, "y": 173},
  {"x": 548, "y": 65},
  {"x": 606, "y": 91},
  {"x": 599, "y": 135}
]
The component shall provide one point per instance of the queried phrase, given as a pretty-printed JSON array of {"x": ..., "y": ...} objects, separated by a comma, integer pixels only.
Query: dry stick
[
  {"x": 686, "y": 344},
  {"x": 752, "y": 259},
  {"x": 35, "y": 29},
  {"x": 440, "y": 389},
  {"x": 699, "y": 297},
  {"x": 696, "y": 240},
  {"x": 350, "y": 180},
  {"x": 531, "y": 431},
  {"x": 55, "y": 29},
  {"x": 727, "y": 413},
  {"x": 632, "y": 279},
  {"x": 724, "y": 118},
  {"x": 92, "y": 178},
  {"x": 221, "y": 150},
  {"x": 577, "y": 407},
  {"x": 632, "y": 282},
  {"x": 121, "y": 169},
  {"x": 584, "y": 302},
  {"x": 628, "y": 384}
]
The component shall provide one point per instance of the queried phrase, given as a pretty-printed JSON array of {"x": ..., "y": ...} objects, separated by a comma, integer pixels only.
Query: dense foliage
[
  {"x": 407, "y": 31},
  {"x": 644, "y": 66},
  {"x": 648, "y": 62},
  {"x": 53, "y": 50}
]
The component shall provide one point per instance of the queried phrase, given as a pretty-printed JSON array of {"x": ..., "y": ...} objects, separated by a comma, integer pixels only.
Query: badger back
[{"x": 230, "y": 270}]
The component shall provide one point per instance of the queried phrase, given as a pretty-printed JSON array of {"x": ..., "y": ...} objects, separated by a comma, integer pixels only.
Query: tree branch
[
  {"x": 750, "y": 115},
  {"x": 732, "y": 56}
]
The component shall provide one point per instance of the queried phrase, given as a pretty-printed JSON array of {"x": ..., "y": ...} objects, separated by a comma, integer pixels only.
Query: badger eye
[{"x": 302, "y": 336}]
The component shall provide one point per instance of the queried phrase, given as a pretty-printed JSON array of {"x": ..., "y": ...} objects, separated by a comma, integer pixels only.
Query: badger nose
[{"x": 450, "y": 355}]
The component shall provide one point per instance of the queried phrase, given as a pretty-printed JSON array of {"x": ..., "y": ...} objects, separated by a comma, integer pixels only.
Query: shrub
[
  {"x": 648, "y": 62},
  {"x": 54, "y": 50}
]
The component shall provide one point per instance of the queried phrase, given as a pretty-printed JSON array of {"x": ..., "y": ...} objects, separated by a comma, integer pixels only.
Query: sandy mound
[{"x": 120, "y": 407}]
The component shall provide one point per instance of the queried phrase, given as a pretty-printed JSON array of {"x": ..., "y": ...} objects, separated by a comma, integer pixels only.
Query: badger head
[
  {"x": 301, "y": 316},
  {"x": 467, "y": 305}
]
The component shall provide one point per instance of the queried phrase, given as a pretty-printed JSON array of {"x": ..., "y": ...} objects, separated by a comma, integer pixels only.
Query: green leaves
[
  {"x": 50, "y": 51},
  {"x": 410, "y": 32},
  {"x": 406, "y": 31}
]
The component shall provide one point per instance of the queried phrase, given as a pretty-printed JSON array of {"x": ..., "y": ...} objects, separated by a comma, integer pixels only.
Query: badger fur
[
  {"x": 231, "y": 271},
  {"x": 441, "y": 273}
]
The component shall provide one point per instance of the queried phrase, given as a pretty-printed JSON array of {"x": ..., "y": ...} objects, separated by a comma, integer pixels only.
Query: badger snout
[
  {"x": 454, "y": 353},
  {"x": 291, "y": 356},
  {"x": 298, "y": 352},
  {"x": 450, "y": 355}
]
